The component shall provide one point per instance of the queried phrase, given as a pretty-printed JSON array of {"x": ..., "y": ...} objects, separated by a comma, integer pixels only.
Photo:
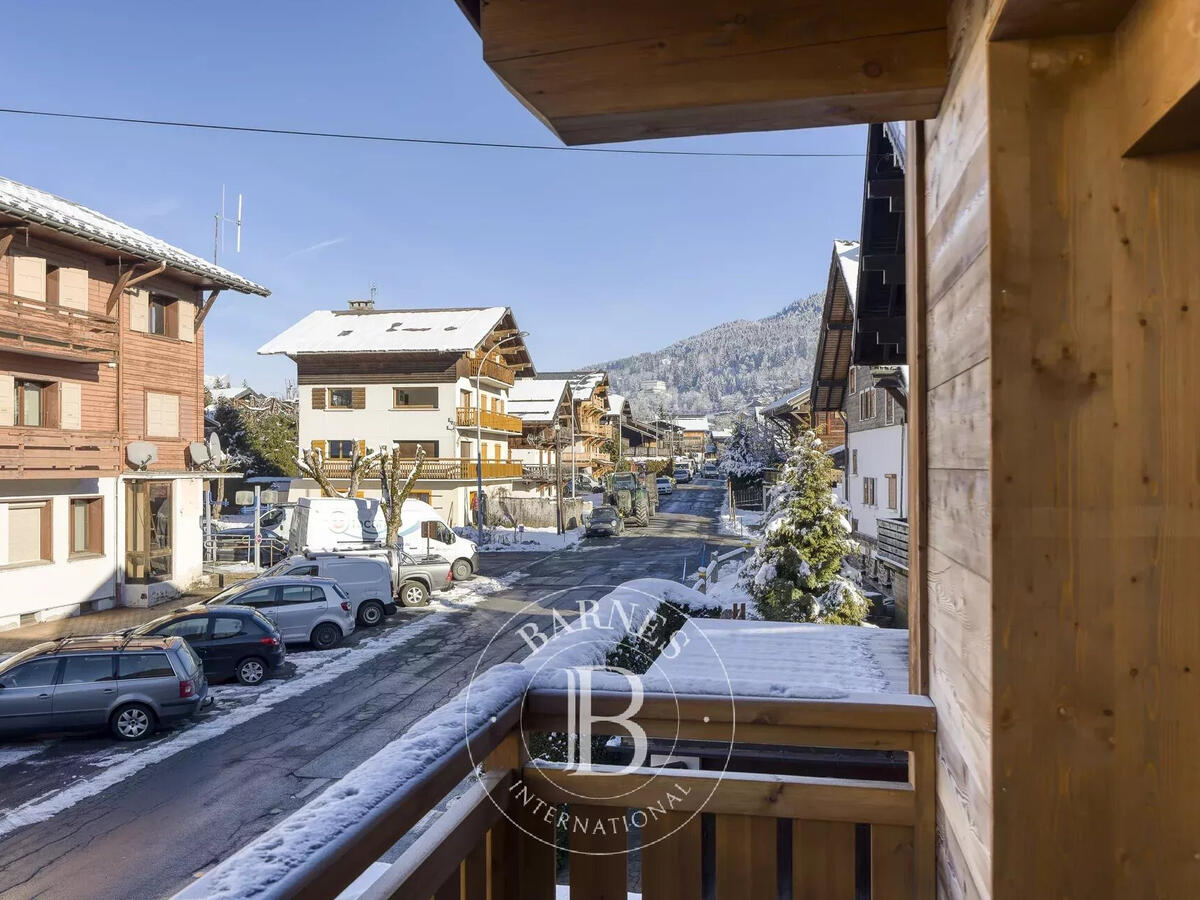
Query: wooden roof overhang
[
  {"x": 832, "y": 367},
  {"x": 514, "y": 352},
  {"x": 879, "y": 320},
  {"x": 623, "y": 70}
]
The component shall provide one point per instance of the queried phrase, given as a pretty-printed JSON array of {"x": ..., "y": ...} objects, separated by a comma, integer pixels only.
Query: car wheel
[
  {"x": 413, "y": 593},
  {"x": 461, "y": 570},
  {"x": 370, "y": 613},
  {"x": 325, "y": 636},
  {"x": 132, "y": 722},
  {"x": 251, "y": 671}
]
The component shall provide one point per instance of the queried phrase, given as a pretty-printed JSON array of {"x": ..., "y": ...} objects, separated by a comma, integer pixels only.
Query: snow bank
[
  {"x": 286, "y": 847},
  {"x": 744, "y": 524},
  {"x": 531, "y": 540}
]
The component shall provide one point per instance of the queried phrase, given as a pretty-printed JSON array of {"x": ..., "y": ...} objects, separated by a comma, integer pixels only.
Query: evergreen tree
[
  {"x": 260, "y": 437},
  {"x": 752, "y": 447},
  {"x": 795, "y": 572}
]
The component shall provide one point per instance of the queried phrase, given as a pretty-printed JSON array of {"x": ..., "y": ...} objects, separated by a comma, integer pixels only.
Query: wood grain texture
[
  {"x": 599, "y": 857},
  {"x": 822, "y": 860},
  {"x": 1159, "y": 55},
  {"x": 892, "y": 862},
  {"x": 746, "y": 865},
  {"x": 671, "y": 848}
]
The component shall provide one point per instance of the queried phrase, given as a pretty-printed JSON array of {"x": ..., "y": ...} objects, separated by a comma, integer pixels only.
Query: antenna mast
[{"x": 219, "y": 221}]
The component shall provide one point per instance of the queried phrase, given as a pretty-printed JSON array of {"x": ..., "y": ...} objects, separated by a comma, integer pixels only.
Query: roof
[
  {"x": 693, "y": 423},
  {"x": 387, "y": 331},
  {"x": 29, "y": 204},
  {"x": 848, "y": 257},
  {"x": 583, "y": 384},
  {"x": 831, "y": 367},
  {"x": 880, "y": 333},
  {"x": 536, "y": 400},
  {"x": 618, "y": 405},
  {"x": 895, "y": 135},
  {"x": 231, "y": 393},
  {"x": 721, "y": 434},
  {"x": 786, "y": 403}
]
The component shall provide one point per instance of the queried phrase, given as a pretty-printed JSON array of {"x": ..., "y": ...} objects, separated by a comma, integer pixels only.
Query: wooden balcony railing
[
  {"x": 493, "y": 421},
  {"x": 491, "y": 842},
  {"x": 51, "y": 453},
  {"x": 489, "y": 368},
  {"x": 437, "y": 469},
  {"x": 893, "y": 541},
  {"x": 30, "y": 326}
]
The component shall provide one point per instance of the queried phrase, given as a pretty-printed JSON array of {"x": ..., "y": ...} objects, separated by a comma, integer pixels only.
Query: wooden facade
[{"x": 1051, "y": 217}]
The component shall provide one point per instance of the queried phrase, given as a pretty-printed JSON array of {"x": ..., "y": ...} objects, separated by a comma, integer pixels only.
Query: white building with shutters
[{"x": 101, "y": 396}]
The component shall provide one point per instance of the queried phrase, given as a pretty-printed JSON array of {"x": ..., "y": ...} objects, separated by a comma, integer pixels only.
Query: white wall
[
  {"x": 880, "y": 453},
  {"x": 52, "y": 590},
  {"x": 187, "y": 541}
]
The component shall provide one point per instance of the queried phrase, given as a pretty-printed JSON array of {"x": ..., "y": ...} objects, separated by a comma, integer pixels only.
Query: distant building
[
  {"x": 587, "y": 454},
  {"x": 544, "y": 407}
]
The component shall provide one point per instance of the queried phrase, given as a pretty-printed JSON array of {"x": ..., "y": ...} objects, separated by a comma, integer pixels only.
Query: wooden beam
[
  {"x": 890, "y": 264},
  {"x": 630, "y": 69},
  {"x": 200, "y": 316},
  {"x": 1020, "y": 19},
  {"x": 5, "y": 242},
  {"x": 118, "y": 288},
  {"x": 1158, "y": 52},
  {"x": 145, "y": 276}
]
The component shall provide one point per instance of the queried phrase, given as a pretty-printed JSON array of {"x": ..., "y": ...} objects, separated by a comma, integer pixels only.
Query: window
[
  {"x": 87, "y": 526},
  {"x": 340, "y": 449},
  {"x": 195, "y": 627},
  {"x": 303, "y": 570},
  {"x": 408, "y": 449},
  {"x": 144, "y": 665},
  {"x": 224, "y": 629},
  {"x": 295, "y": 594},
  {"x": 853, "y": 372},
  {"x": 866, "y": 405},
  {"x": 415, "y": 398},
  {"x": 341, "y": 398},
  {"x": 148, "y": 531},
  {"x": 39, "y": 673},
  {"x": 892, "y": 493},
  {"x": 34, "y": 404},
  {"x": 424, "y": 496},
  {"x": 259, "y": 597},
  {"x": 30, "y": 532},
  {"x": 159, "y": 315},
  {"x": 869, "y": 491},
  {"x": 853, "y": 462},
  {"x": 889, "y": 409},
  {"x": 87, "y": 669},
  {"x": 162, "y": 415}
]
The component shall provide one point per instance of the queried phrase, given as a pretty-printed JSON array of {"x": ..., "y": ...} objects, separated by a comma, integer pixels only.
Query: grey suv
[
  {"x": 128, "y": 684},
  {"x": 304, "y": 609}
]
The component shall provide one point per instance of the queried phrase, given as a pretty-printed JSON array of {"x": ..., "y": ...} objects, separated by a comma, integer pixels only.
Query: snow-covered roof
[
  {"x": 618, "y": 405},
  {"x": 39, "y": 207},
  {"x": 847, "y": 254},
  {"x": 786, "y": 402},
  {"x": 535, "y": 400},
  {"x": 584, "y": 385},
  {"x": 693, "y": 423},
  {"x": 387, "y": 331},
  {"x": 895, "y": 134},
  {"x": 229, "y": 393},
  {"x": 721, "y": 434}
]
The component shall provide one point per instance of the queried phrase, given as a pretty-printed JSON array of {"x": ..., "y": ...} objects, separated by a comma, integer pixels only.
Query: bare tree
[
  {"x": 394, "y": 490},
  {"x": 312, "y": 465}
]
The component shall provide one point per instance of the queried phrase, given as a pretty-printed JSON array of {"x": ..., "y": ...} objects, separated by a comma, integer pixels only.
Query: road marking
[{"x": 317, "y": 783}]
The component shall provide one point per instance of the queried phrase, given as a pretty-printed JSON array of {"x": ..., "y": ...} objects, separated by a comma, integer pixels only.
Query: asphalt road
[{"x": 82, "y": 817}]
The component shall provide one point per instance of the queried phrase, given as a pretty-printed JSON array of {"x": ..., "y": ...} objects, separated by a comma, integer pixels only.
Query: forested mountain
[{"x": 726, "y": 367}]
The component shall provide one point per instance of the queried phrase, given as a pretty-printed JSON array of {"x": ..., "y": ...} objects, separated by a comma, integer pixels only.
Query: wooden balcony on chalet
[
  {"x": 760, "y": 836},
  {"x": 440, "y": 469},
  {"x": 488, "y": 369},
  {"x": 58, "y": 332},
  {"x": 467, "y": 416},
  {"x": 54, "y": 453},
  {"x": 892, "y": 545}
]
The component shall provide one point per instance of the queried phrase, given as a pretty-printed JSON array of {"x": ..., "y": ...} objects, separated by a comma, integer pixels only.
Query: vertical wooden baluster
[
  {"x": 746, "y": 858},
  {"x": 452, "y": 888},
  {"x": 599, "y": 861},
  {"x": 535, "y": 848},
  {"x": 822, "y": 860},
  {"x": 671, "y": 866},
  {"x": 504, "y": 873},
  {"x": 922, "y": 774},
  {"x": 475, "y": 873},
  {"x": 892, "y": 862}
]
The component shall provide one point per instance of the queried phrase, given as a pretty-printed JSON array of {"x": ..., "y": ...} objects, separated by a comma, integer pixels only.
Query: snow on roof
[
  {"x": 693, "y": 423},
  {"x": 387, "y": 331},
  {"x": 230, "y": 393},
  {"x": 584, "y": 385},
  {"x": 895, "y": 134},
  {"x": 39, "y": 207},
  {"x": 847, "y": 254},
  {"x": 536, "y": 400},
  {"x": 721, "y": 434},
  {"x": 788, "y": 659}
]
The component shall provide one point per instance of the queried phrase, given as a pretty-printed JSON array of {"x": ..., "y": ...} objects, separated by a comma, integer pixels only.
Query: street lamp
[{"x": 479, "y": 429}]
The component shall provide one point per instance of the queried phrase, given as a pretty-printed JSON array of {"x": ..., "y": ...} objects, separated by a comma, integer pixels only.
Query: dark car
[
  {"x": 231, "y": 641},
  {"x": 604, "y": 522},
  {"x": 127, "y": 684}
]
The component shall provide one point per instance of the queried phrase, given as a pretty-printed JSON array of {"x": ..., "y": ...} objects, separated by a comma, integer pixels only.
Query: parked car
[
  {"x": 683, "y": 474},
  {"x": 232, "y": 641},
  {"x": 129, "y": 685},
  {"x": 604, "y": 522},
  {"x": 665, "y": 485},
  {"x": 373, "y": 577},
  {"x": 304, "y": 609},
  {"x": 711, "y": 471}
]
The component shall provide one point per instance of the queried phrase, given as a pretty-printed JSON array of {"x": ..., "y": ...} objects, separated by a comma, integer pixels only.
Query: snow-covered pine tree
[
  {"x": 795, "y": 572},
  {"x": 752, "y": 447}
]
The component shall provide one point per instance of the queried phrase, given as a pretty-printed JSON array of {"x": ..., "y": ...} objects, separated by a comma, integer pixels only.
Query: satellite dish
[
  {"x": 215, "y": 453},
  {"x": 141, "y": 454},
  {"x": 198, "y": 452}
]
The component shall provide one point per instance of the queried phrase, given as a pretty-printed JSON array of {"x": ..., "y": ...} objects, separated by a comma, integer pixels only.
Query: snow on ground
[
  {"x": 531, "y": 540},
  {"x": 724, "y": 591},
  {"x": 10, "y": 755},
  {"x": 745, "y": 524}
]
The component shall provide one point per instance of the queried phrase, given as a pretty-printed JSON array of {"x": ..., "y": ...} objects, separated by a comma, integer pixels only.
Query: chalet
[
  {"x": 586, "y": 452},
  {"x": 545, "y": 409},
  {"x": 101, "y": 409},
  {"x": 794, "y": 413},
  {"x": 432, "y": 378},
  {"x": 697, "y": 434},
  {"x": 635, "y": 438}
]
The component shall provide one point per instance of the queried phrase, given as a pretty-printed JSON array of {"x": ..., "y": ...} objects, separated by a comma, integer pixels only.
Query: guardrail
[
  {"x": 33, "y": 326},
  {"x": 51, "y": 452},
  {"x": 489, "y": 368},
  {"x": 439, "y": 469},
  {"x": 892, "y": 541},
  {"x": 466, "y": 417}
]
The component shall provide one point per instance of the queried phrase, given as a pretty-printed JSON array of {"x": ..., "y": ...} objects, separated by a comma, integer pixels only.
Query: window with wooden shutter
[
  {"x": 358, "y": 398},
  {"x": 70, "y": 405},
  {"x": 7, "y": 400},
  {"x": 162, "y": 415},
  {"x": 853, "y": 462},
  {"x": 139, "y": 309},
  {"x": 30, "y": 532},
  {"x": 892, "y": 493},
  {"x": 87, "y": 526},
  {"x": 339, "y": 449},
  {"x": 29, "y": 277},
  {"x": 67, "y": 287},
  {"x": 185, "y": 321},
  {"x": 318, "y": 398},
  {"x": 341, "y": 398},
  {"x": 318, "y": 447}
]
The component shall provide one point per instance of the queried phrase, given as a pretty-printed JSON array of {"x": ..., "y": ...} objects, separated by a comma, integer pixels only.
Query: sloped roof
[
  {"x": 847, "y": 256},
  {"x": 786, "y": 402},
  {"x": 583, "y": 384},
  {"x": 536, "y": 400},
  {"x": 693, "y": 423},
  {"x": 38, "y": 207},
  {"x": 387, "y": 331},
  {"x": 831, "y": 368}
]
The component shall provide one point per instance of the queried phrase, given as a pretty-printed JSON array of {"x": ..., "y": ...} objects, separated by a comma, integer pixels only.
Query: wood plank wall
[
  {"x": 957, "y": 600},
  {"x": 1096, "y": 506}
]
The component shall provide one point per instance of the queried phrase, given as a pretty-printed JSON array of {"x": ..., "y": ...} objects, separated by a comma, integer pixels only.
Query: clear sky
[{"x": 598, "y": 255}]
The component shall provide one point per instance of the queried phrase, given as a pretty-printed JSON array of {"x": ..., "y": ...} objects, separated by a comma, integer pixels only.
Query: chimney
[{"x": 360, "y": 305}]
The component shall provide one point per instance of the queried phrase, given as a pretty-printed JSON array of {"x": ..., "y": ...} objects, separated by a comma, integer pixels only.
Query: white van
[{"x": 334, "y": 523}]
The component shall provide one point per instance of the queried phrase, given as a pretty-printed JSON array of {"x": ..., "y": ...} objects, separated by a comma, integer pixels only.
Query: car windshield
[
  {"x": 603, "y": 515},
  {"x": 624, "y": 482},
  {"x": 226, "y": 595},
  {"x": 276, "y": 569},
  {"x": 148, "y": 627}
]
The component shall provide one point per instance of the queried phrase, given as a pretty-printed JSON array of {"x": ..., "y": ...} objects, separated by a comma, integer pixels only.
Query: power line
[{"x": 393, "y": 139}]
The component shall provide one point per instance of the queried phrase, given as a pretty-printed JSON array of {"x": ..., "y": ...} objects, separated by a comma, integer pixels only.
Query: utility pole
[{"x": 558, "y": 473}]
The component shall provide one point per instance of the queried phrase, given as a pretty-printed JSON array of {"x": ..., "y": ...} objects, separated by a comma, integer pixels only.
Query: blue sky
[{"x": 598, "y": 255}]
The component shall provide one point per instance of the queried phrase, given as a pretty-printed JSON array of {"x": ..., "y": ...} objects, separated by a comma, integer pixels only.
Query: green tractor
[{"x": 627, "y": 494}]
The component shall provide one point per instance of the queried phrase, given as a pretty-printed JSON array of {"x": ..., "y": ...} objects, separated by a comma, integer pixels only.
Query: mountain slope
[{"x": 727, "y": 366}]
